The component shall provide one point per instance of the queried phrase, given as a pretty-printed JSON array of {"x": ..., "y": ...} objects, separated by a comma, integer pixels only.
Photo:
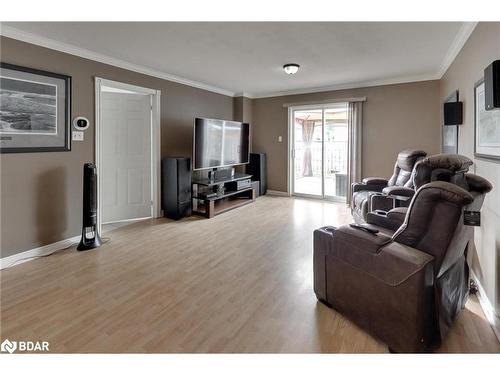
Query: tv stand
[{"x": 229, "y": 199}]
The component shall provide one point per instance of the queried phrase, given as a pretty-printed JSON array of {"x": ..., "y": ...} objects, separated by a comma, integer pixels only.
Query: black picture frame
[
  {"x": 67, "y": 112},
  {"x": 477, "y": 154}
]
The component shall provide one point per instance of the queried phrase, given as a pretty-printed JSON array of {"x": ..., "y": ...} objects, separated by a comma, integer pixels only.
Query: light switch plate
[
  {"x": 77, "y": 136},
  {"x": 280, "y": 139}
]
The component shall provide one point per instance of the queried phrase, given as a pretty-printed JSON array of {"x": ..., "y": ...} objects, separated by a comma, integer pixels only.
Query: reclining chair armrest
[
  {"x": 380, "y": 201},
  {"x": 375, "y": 254},
  {"x": 391, "y": 219},
  {"x": 369, "y": 242},
  {"x": 399, "y": 190},
  {"x": 360, "y": 186},
  {"x": 375, "y": 181}
]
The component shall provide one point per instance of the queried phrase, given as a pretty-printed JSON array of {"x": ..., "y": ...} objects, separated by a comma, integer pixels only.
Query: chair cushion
[
  {"x": 403, "y": 169},
  {"x": 408, "y": 158}
]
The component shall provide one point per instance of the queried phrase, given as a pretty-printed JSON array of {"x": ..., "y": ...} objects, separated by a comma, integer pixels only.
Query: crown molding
[
  {"x": 456, "y": 46},
  {"x": 458, "y": 43},
  {"x": 23, "y": 36},
  {"x": 243, "y": 94},
  {"x": 347, "y": 86}
]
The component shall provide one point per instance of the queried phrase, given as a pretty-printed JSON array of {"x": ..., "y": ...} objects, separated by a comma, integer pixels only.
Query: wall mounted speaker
[
  {"x": 492, "y": 85},
  {"x": 90, "y": 235},
  {"x": 453, "y": 113}
]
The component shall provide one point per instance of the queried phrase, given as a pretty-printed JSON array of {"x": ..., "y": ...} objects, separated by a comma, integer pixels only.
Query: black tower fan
[{"x": 90, "y": 236}]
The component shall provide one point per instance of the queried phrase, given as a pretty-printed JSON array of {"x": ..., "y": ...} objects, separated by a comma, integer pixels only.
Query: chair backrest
[
  {"x": 403, "y": 169},
  {"x": 442, "y": 167},
  {"x": 434, "y": 223}
]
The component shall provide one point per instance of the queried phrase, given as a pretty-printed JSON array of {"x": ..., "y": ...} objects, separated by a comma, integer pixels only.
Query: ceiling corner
[{"x": 458, "y": 43}]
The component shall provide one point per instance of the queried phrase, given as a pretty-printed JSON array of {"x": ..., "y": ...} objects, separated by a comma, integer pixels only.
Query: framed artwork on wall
[
  {"x": 450, "y": 132},
  {"x": 486, "y": 127},
  {"x": 35, "y": 110}
]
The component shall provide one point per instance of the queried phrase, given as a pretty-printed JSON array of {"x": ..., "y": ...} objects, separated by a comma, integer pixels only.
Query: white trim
[
  {"x": 128, "y": 220},
  {"x": 290, "y": 157},
  {"x": 277, "y": 193},
  {"x": 28, "y": 255},
  {"x": 156, "y": 149},
  {"x": 458, "y": 43},
  {"x": 487, "y": 306},
  {"x": 322, "y": 105},
  {"x": 456, "y": 46},
  {"x": 125, "y": 87},
  {"x": 314, "y": 104},
  {"x": 155, "y": 142},
  {"x": 24, "y": 36},
  {"x": 347, "y": 86},
  {"x": 97, "y": 147}
]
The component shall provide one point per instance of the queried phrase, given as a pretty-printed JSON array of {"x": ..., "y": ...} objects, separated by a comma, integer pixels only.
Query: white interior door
[{"x": 126, "y": 156}]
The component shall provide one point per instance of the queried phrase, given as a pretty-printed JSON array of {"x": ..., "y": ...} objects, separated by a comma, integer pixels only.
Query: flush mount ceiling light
[{"x": 291, "y": 68}]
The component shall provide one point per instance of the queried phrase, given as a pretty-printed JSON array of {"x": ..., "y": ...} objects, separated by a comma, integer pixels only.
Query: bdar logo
[{"x": 8, "y": 346}]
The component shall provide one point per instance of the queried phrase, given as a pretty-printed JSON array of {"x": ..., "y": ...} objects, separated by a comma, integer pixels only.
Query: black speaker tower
[
  {"x": 257, "y": 168},
  {"x": 90, "y": 235},
  {"x": 176, "y": 187}
]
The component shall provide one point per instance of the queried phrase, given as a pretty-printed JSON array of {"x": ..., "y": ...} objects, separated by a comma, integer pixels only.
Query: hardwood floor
[{"x": 240, "y": 282}]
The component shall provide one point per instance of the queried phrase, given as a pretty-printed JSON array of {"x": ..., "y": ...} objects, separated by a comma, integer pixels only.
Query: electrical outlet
[{"x": 77, "y": 136}]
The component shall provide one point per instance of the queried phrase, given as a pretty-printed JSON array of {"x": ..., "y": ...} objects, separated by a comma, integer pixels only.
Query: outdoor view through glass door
[{"x": 319, "y": 151}]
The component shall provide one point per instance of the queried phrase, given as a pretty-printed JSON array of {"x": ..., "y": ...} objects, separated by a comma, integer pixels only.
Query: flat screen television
[{"x": 220, "y": 143}]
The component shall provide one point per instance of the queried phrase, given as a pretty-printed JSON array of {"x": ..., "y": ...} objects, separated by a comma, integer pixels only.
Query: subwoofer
[
  {"x": 90, "y": 234},
  {"x": 176, "y": 187},
  {"x": 257, "y": 168},
  {"x": 492, "y": 85}
]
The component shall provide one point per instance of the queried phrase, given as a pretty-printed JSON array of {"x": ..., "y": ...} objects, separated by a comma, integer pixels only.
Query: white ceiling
[{"x": 235, "y": 58}]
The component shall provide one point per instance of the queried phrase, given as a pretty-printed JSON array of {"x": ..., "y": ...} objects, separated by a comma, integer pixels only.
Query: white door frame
[
  {"x": 290, "y": 150},
  {"x": 155, "y": 141}
]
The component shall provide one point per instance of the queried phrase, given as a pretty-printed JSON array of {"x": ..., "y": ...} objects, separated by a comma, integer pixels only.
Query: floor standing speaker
[
  {"x": 257, "y": 168},
  {"x": 90, "y": 235},
  {"x": 176, "y": 187}
]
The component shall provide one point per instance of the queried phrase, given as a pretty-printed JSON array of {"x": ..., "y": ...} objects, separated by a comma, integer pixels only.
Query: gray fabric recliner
[
  {"x": 400, "y": 183},
  {"x": 405, "y": 287}
]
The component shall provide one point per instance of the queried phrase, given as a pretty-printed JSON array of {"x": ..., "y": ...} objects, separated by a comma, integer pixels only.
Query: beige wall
[
  {"x": 480, "y": 50},
  {"x": 395, "y": 117},
  {"x": 41, "y": 193},
  {"x": 243, "y": 109}
]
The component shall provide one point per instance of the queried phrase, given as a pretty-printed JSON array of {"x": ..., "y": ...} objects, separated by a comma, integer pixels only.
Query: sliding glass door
[{"x": 319, "y": 140}]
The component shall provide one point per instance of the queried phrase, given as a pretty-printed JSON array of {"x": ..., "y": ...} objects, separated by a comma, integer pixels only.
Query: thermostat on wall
[{"x": 81, "y": 123}]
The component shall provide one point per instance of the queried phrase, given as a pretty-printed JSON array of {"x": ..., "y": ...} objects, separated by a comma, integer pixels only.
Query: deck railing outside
[{"x": 335, "y": 158}]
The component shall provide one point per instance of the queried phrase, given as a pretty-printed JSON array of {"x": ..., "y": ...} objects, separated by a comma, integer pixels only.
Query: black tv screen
[{"x": 220, "y": 143}]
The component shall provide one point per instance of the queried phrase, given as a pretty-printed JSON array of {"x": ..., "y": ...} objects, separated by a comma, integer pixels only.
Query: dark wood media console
[{"x": 228, "y": 198}]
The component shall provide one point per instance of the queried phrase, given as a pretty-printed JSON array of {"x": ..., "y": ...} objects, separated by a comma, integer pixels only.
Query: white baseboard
[
  {"x": 39, "y": 251},
  {"x": 487, "y": 306},
  {"x": 278, "y": 193}
]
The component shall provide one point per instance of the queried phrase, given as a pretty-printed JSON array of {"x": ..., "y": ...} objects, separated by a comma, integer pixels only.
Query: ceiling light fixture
[{"x": 291, "y": 68}]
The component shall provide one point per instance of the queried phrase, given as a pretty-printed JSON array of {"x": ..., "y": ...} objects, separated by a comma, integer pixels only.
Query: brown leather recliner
[
  {"x": 400, "y": 183},
  {"x": 408, "y": 288},
  {"x": 441, "y": 167}
]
